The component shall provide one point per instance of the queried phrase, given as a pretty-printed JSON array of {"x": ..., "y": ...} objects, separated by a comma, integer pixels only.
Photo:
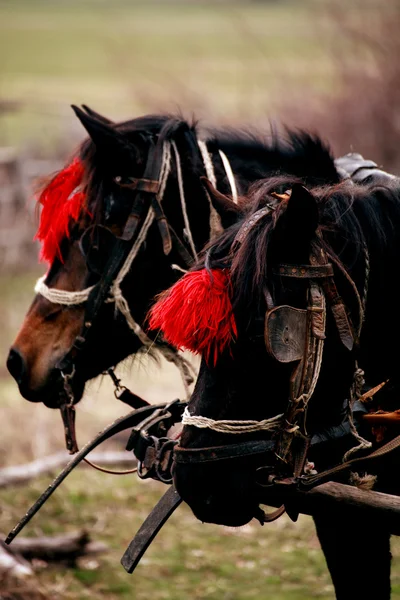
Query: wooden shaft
[{"x": 337, "y": 497}]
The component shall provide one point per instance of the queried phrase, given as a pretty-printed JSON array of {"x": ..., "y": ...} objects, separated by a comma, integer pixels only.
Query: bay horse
[
  {"x": 286, "y": 307},
  {"x": 107, "y": 203}
]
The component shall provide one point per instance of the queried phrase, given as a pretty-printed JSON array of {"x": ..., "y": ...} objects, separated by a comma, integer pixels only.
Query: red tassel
[
  {"x": 196, "y": 313},
  {"x": 60, "y": 206}
]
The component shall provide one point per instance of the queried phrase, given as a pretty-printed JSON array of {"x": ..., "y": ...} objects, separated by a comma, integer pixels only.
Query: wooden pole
[{"x": 338, "y": 497}]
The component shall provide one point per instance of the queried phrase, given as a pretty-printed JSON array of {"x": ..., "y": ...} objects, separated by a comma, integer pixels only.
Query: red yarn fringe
[
  {"x": 60, "y": 206},
  {"x": 196, "y": 313}
]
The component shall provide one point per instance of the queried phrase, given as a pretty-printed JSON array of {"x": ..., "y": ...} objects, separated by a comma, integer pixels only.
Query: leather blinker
[{"x": 285, "y": 333}]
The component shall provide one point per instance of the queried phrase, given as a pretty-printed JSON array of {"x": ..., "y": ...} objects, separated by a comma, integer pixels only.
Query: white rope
[
  {"x": 215, "y": 220},
  {"x": 230, "y": 176},
  {"x": 61, "y": 296},
  {"x": 165, "y": 170},
  {"x": 183, "y": 201},
  {"x": 175, "y": 267},
  {"x": 207, "y": 160},
  {"x": 228, "y": 426},
  {"x": 116, "y": 293}
]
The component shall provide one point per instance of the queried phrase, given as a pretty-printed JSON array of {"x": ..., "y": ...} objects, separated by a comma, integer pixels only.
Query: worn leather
[
  {"x": 285, "y": 333},
  {"x": 339, "y": 312},
  {"x": 355, "y": 167},
  {"x": 305, "y": 271}
]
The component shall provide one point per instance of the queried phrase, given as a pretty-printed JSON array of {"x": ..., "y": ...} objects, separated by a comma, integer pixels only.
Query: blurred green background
[
  {"x": 331, "y": 67},
  {"x": 224, "y": 61}
]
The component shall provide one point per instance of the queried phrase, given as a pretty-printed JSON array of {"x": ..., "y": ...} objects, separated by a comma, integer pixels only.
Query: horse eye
[{"x": 51, "y": 316}]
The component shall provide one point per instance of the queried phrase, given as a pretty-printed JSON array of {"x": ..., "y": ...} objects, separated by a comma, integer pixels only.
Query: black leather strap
[
  {"x": 151, "y": 526},
  {"x": 214, "y": 453},
  {"x": 126, "y": 422}
]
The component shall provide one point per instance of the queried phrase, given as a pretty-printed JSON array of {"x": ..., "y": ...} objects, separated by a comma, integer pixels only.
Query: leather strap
[
  {"x": 251, "y": 222},
  {"x": 126, "y": 422},
  {"x": 151, "y": 174},
  {"x": 305, "y": 271},
  {"x": 149, "y": 529},
  {"x": 215, "y": 453},
  {"x": 141, "y": 185},
  {"x": 313, "y": 480}
]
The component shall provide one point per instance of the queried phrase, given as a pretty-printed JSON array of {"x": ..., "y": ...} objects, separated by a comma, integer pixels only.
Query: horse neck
[
  {"x": 379, "y": 350},
  {"x": 252, "y": 160}
]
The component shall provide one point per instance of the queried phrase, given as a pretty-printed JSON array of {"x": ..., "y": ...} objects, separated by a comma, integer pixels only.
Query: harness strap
[
  {"x": 141, "y": 185},
  {"x": 149, "y": 529},
  {"x": 305, "y": 375},
  {"x": 126, "y": 422},
  {"x": 305, "y": 271},
  {"x": 151, "y": 176},
  {"x": 313, "y": 480},
  {"x": 251, "y": 222},
  {"x": 215, "y": 453}
]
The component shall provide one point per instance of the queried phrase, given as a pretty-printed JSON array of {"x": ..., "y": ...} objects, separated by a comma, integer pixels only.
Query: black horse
[
  {"x": 118, "y": 171},
  {"x": 296, "y": 250}
]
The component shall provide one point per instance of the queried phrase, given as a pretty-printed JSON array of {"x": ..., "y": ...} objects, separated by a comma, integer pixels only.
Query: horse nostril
[{"x": 16, "y": 365}]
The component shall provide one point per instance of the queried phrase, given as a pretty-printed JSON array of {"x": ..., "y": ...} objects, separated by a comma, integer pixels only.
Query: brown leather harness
[
  {"x": 291, "y": 335},
  {"x": 145, "y": 199}
]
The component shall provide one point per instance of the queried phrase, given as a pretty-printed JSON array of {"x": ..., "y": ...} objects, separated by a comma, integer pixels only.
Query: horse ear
[
  {"x": 96, "y": 115},
  {"x": 296, "y": 227},
  {"x": 228, "y": 211},
  {"x": 112, "y": 146},
  {"x": 101, "y": 133}
]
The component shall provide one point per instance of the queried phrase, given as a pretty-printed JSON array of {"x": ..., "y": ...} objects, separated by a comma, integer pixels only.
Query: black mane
[
  {"x": 353, "y": 219},
  {"x": 298, "y": 153},
  {"x": 252, "y": 157}
]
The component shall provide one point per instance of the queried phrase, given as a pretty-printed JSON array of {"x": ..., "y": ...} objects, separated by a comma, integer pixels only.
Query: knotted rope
[
  {"x": 356, "y": 393},
  {"x": 231, "y": 426},
  {"x": 61, "y": 296}
]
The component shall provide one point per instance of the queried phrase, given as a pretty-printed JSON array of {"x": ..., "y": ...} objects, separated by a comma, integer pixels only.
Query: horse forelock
[{"x": 78, "y": 188}]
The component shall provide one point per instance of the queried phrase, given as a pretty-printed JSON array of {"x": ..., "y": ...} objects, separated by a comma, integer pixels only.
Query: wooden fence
[{"x": 18, "y": 220}]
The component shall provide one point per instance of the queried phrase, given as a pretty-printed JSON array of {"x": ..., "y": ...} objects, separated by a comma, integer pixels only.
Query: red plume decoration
[
  {"x": 62, "y": 202},
  {"x": 196, "y": 313}
]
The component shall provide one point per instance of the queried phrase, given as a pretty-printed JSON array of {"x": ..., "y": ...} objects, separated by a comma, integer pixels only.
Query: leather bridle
[
  {"x": 292, "y": 335},
  {"x": 145, "y": 207},
  {"x": 145, "y": 199}
]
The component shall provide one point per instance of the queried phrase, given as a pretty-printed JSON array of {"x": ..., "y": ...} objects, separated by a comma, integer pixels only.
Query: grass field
[
  {"x": 188, "y": 560},
  {"x": 223, "y": 61}
]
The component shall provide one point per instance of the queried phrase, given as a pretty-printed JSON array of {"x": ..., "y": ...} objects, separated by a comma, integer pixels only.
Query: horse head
[
  {"x": 279, "y": 350},
  {"x": 105, "y": 205}
]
